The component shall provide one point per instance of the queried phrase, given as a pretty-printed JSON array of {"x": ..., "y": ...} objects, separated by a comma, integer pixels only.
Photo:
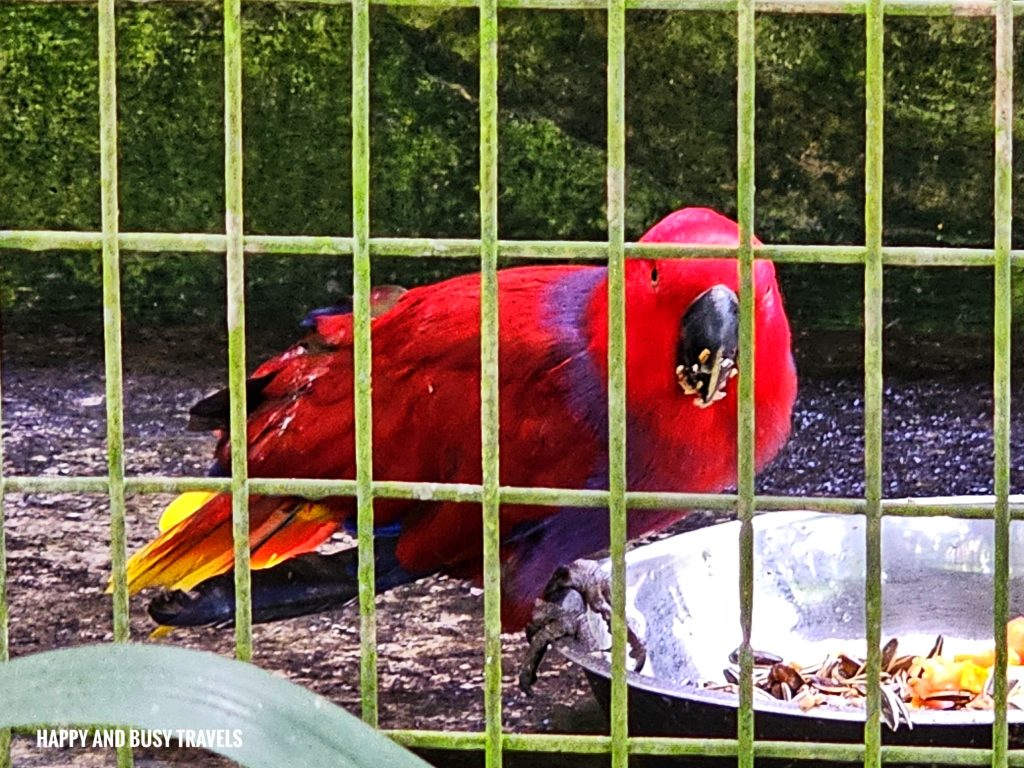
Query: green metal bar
[
  {"x": 963, "y": 8},
  {"x": 5, "y": 651},
  {"x": 617, "y": 477},
  {"x": 782, "y": 750},
  {"x": 233, "y": 226},
  {"x": 745, "y": 180},
  {"x": 900, "y": 256},
  {"x": 489, "y": 390},
  {"x": 301, "y": 245},
  {"x": 962, "y": 507},
  {"x": 47, "y": 240},
  {"x": 112, "y": 314},
  {"x": 194, "y": 242},
  {"x": 873, "y": 174},
  {"x": 363, "y": 358},
  {"x": 436, "y": 248},
  {"x": 1003, "y": 214},
  {"x": 465, "y": 248},
  {"x": 113, "y": 374},
  {"x": 669, "y": 746}
]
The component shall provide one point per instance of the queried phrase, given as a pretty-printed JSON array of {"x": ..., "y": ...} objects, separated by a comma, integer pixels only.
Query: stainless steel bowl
[{"x": 683, "y": 598}]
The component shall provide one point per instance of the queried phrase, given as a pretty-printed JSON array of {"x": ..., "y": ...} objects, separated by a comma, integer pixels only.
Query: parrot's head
[
  {"x": 683, "y": 353},
  {"x": 707, "y": 350},
  {"x": 690, "y": 311},
  {"x": 683, "y": 322}
]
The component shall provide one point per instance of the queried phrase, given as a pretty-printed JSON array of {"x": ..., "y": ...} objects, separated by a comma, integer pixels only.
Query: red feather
[{"x": 553, "y": 405}]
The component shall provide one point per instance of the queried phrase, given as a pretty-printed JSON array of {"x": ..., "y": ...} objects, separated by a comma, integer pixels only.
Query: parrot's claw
[{"x": 562, "y": 613}]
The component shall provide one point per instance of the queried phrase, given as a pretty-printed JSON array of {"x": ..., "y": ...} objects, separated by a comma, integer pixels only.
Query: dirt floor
[{"x": 938, "y": 442}]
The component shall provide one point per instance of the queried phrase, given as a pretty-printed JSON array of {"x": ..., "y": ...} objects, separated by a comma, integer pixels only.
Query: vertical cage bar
[
  {"x": 616, "y": 182},
  {"x": 112, "y": 313},
  {"x": 873, "y": 179},
  {"x": 233, "y": 227},
  {"x": 363, "y": 355},
  {"x": 1003, "y": 213},
  {"x": 113, "y": 374},
  {"x": 745, "y": 186},
  {"x": 5, "y": 651},
  {"x": 489, "y": 388}
]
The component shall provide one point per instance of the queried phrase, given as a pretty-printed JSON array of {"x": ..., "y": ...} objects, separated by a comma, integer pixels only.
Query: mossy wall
[{"x": 681, "y": 145}]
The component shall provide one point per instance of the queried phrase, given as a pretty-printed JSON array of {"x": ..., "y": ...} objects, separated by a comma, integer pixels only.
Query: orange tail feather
[{"x": 199, "y": 546}]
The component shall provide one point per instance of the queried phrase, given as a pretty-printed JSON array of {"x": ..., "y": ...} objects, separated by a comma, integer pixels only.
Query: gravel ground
[{"x": 937, "y": 442}]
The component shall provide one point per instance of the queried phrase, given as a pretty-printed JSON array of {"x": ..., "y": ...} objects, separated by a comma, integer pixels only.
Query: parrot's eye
[{"x": 654, "y": 276}]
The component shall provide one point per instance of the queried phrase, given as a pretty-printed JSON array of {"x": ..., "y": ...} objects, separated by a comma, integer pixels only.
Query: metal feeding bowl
[{"x": 809, "y": 574}]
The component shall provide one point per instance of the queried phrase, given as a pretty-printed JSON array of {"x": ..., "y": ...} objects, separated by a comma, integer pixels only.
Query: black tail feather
[
  {"x": 306, "y": 584},
  {"x": 214, "y": 412}
]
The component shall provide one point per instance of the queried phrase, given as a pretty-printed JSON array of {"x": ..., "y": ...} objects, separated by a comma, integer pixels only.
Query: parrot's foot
[{"x": 562, "y": 613}]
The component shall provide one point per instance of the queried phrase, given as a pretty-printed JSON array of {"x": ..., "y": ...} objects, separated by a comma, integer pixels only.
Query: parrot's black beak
[{"x": 708, "y": 346}]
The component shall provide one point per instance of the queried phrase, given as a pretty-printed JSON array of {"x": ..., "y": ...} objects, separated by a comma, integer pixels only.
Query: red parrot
[{"x": 681, "y": 353}]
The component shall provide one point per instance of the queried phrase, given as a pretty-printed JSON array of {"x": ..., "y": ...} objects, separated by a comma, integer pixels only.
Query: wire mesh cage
[{"x": 361, "y": 247}]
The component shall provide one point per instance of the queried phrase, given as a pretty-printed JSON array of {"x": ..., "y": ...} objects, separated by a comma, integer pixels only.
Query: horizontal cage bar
[
  {"x": 469, "y": 248},
  {"x": 978, "y": 506},
  {"x": 670, "y": 746},
  {"x": 963, "y": 8}
]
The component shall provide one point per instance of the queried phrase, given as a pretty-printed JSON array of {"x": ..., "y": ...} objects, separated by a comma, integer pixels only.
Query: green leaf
[{"x": 161, "y": 687}]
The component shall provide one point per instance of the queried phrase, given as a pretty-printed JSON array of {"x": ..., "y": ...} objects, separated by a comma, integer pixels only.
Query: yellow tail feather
[
  {"x": 186, "y": 505},
  {"x": 193, "y": 548}
]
